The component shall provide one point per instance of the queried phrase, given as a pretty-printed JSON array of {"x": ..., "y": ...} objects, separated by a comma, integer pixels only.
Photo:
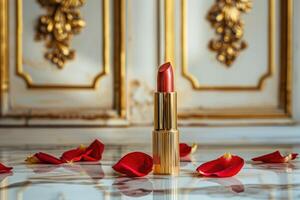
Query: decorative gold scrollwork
[
  {"x": 225, "y": 17},
  {"x": 57, "y": 28}
]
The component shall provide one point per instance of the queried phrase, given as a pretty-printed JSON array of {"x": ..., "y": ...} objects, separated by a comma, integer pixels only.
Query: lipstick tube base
[{"x": 166, "y": 152}]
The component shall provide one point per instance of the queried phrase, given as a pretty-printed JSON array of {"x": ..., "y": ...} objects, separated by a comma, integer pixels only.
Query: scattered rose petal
[
  {"x": 276, "y": 157},
  {"x": 91, "y": 153},
  {"x": 94, "y": 151},
  {"x": 5, "y": 169},
  {"x": 225, "y": 166},
  {"x": 43, "y": 158},
  {"x": 47, "y": 158},
  {"x": 135, "y": 164},
  {"x": 74, "y": 155},
  {"x": 186, "y": 150},
  {"x": 32, "y": 160}
]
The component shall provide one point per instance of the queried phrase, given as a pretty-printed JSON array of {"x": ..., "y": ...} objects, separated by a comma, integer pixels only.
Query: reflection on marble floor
[{"x": 98, "y": 181}]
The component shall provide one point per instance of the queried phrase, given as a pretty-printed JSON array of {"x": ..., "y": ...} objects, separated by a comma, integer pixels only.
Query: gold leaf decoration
[
  {"x": 225, "y": 17},
  {"x": 57, "y": 28}
]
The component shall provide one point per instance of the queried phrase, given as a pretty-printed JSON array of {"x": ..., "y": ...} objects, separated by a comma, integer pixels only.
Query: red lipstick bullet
[
  {"x": 165, "y": 134},
  {"x": 165, "y": 78}
]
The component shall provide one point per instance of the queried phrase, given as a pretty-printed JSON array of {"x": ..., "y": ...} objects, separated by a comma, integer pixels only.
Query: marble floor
[{"x": 98, "y": 181}]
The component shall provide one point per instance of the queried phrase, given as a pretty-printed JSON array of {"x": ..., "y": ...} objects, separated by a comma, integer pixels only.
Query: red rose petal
[
  {"x": 92, "y": 153},
  {"x": 185, "y": 149},
  {"x": 5, "y": 169},
  {"x": 275, "y": 157},
  {"x": 45, "y": 158},
  {"x": 135, "y": 164},
  {"x": 294, "y": 156},
  {"x": 73, "y": 155},
  {"x": 225, "y": 166}
]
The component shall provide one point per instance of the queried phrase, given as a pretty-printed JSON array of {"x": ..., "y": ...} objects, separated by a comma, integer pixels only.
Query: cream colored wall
[{"x": 144, "y": 52}]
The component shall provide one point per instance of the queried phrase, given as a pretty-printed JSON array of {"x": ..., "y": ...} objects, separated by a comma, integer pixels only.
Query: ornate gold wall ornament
[
  {"x": 225, "y": 17},
  {"x": 58, "y": 27}
]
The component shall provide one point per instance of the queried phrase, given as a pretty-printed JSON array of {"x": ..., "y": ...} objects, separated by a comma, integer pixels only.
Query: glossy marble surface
[{"x": 98, "y": 181}]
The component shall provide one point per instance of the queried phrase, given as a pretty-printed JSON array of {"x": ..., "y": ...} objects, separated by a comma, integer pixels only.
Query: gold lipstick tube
[{"x": 165, "y": 134}]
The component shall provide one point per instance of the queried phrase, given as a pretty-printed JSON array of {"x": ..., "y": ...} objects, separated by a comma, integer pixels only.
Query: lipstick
[
  {"x": 165, "y": 78},
  {"x": 165, "y": 134}
]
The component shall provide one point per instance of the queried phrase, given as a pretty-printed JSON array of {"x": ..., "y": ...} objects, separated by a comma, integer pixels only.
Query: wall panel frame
[
  {"x": 283, "y": 111},
  {"x": 117, "y": 19}
]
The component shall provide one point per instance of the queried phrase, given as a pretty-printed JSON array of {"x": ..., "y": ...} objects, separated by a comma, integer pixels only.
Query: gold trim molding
[
  {"x": 169, "y": 31},
  {"x": 3, "y": 46},
  {"x": 120, "y": 56},
  {"x": 194, "y": 81},
  {"x": 27, "y": 78},
  {"x": 57, "y": 28}
]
